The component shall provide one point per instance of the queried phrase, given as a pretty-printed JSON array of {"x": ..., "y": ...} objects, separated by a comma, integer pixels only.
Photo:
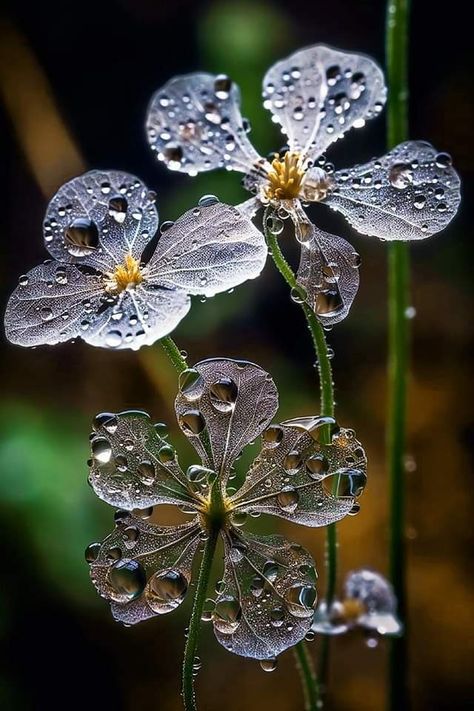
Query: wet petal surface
[
  {"x": 267, "y": 596},
  {"x": 194, "y": 124},
  {"x": 52, "y": 303},
  {"x": 132, "y": 465},
  {"x": 143, "y": 569},
  {"x": 222, "y": 406},
  {"x": 410, "y": 193},
  {"x": 298, "y": 478},
  {"x": 376, "y": 596},
  {"x": 208, "y": 250},
  {"x": 98, "y": 218},
  {"x": 319, "y": 93}
]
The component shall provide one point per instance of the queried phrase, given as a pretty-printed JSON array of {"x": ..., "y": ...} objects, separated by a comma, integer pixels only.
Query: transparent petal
[
  {"x": 410, "y": 193},
  {"x": 328, "y": 270},
  {"x": 222, "y": 405},
  {"x": 266, "y": 600},
  {"x": 298, "y": 478},
  {"x": 194, "y": 124},
  {"x": 318, "y": 93},
  {"x": 138, "y": 317},
  {"x": 332, "y": 621},
  {"x": 51, "y": 304},
  {"x": 98, "y": 218},
  {"x": 208, "y": 250},
  {"x": 143, "y": 569},
  {"x": 376, "y": 596},
  {"x": 133, "y": 466},
  {"x": 250, "y": 207}
]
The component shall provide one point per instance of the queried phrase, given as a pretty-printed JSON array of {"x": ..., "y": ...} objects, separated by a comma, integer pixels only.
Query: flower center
[
  {"x": 125, "y": 276},
  {"x": 285, "y": 177}
]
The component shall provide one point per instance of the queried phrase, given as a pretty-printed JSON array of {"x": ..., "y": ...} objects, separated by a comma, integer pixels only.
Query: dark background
[{"x": 76, "y": 79}]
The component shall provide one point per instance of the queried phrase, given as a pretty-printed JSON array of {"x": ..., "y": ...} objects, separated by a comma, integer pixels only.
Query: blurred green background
[{"x": 75, "y": 82}]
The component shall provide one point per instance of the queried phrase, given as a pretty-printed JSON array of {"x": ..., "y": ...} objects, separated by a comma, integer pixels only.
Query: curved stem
[
  {"x": 309, "y": 681},
  {"x": 398, "y": 346},
  {"x": 173, "y": 353},
  {"x": 326, "y": 409},
  {"x": 189, "y": 698}
]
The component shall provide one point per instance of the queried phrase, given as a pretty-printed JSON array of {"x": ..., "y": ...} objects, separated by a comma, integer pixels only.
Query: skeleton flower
[
  {"x": 316, "y": 95},
  {"x": 101, "y": 287},
  {"x": 368, "y": 603},
  {"x": 265, "y": 601}
]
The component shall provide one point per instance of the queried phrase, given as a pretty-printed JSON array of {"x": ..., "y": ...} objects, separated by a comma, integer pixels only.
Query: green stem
[
  {"x": 398, "y": 347},
  {"x": 189, "y": 698},
  {"x": 326, "y": 409},
  {"x": 173, "y": 353},
  {"x": 309, "y": 681}
]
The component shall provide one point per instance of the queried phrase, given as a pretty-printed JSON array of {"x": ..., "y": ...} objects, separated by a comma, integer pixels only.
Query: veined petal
[
  {"x": 132, "y": 466},
  {"x": 410, "y": 193},
  {"x": 222, "y": 405},
  {"x": 52, "y": 304},
  {"x": 328, "y": 270},
  {"x": 194, "y": 124},
  {"x": 267, "y": 599},
  {"x": 298, "y": 478},
  {"x": 319, "y": 93},
  {"x": 98, "y": 218},
  {"x": 143, "y": 569},
  {"x": 138, "y": 317},
  {"x": 250, "y": 207},
  {"x": 208, "y": 250}
]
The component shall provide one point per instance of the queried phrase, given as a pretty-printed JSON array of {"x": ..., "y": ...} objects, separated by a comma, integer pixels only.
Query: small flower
[
  {"x": 368, "y": 603},
  {"x": 101, "y": 287},
  {"x": 265, "y": 601},
  {"x": 315, "y": 95}
]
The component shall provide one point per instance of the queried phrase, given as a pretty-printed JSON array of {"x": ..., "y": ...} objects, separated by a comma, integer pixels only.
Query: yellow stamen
[
  {"x": 353, "y": 609},
  {"x": 285, "y": 177},
  {"x": 125, "y": 276}
]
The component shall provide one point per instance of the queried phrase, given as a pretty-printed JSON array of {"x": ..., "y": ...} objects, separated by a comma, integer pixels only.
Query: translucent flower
[
  {"x": 368, "y": 603},
  {"x": 104, "y": 283},
  {"x": 265, "y": 600},
  {"x": 315, "y": 95}
]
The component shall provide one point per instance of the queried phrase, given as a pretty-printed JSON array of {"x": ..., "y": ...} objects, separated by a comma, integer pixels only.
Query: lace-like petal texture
[
  {"x": 298, "y": 478},
  {"x": 318, "y": 93},
  {"x": 222, "y": 406},
  {"x": 194, "y": 124},
  {"x": 267, "y": 599},
  {"x": 411, "y": 193},
  {"x": 132, "y": 466},
  {"x": 144, "y": 569}
]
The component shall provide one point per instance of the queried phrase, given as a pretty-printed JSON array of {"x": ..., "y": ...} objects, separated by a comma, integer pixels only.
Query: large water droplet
[
  {"x": 345, "y": 482},
  {"x": 166, "y": 590},
  {"x": 401, "y": 175},
  {"x": 81, "y": 237},
  {"x": 118, "y": 208},
  {"x": 273, "y": 435},
  {"x": 192, "y": 422},
  {"x": 222, "y": 86},
  {"x": 198, "y": 474},
  {"x": 191, "y": 384},
  {"x": 126, "y": 580},
  {"x": 106, "y": 420},
  {"x": 146, "y": 472},
  {"x": 288, "y": 499},
  {"x": 227, "y": 614},
  {"x": 328, "y": 302},
  {"x": 92, "y": 551},
  {"x": 317, "y": 466},
  {"x": 277, "y": 616},
  {"x": 292, "y": 462},
  {"x": 268, "y": 665},
  {"x": 301, "y": 600},
  {"x": 223, "y": 394},
  {"x": 101, "y": 450}
]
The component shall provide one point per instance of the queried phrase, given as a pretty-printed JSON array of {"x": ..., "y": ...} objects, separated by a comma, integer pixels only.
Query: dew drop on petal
[
  {"x": 268, "y": 665},
  {"x": 126, "y": 580},
  {"x": 92, "y": 551},
  {"x": 223, "y": 394},
  {"x": 101, "y": 450},
  {"x": 166, "y": 590},
  {"x": 81, "y": 237},
  {"x": 227, "y": 614},
  {"x": 288, "y": 499},
  {"x": 273, "y": 435},
  {"x": 192, "y": 422}
]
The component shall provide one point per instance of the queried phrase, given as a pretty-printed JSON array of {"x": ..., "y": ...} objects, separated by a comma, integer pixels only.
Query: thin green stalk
[
  {"x": 173, "y": 353},
  {"x": 189, "y": 698},
  {"x": 326, "y": 409},
  {"x": 398, "y": 347},
  {"x": 309, "y": 681}
]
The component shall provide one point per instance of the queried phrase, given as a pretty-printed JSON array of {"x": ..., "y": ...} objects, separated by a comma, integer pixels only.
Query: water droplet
[
  {"x": 401, "y": 175},
  {"x": 113, "y": 339},
  {"x": 191, "y": 384},
  {"x": 46, "y": 313},
  {"x": 223, "y": 394},
  {"x": 208, "y": 200},
  {"x": 166, "y": 590},
  {"x": 288, "y": 499},
  {"x": 227, "y": 614},
  {"x": 273, "y": 435},
  {"x": 317, "y": 466},
  {"x": 275, "y": 225},
  {"x": 268, "y": 665},
  {"x": 113, "y": 554},
  {"x": 92, "y": 551},
  {"x": 443, "y": 160},
  {"x": 345, "y": 482},
  {"x": 277, "y": 616},
  {"x": 166, "y": 454},
  {"x": 419, "y": 201},
  {"x": 198, "y": 474},
  {"x": 101, "y": 450},
  {"x": 106, "y": 420},
  {"x": 292, "y": 462},
  {"x": 222, "y": 86},
  {"x": 192, "y": 422},
  {"x": 131, "y": 535},
  {"x": 328, "y": 302},
  {"x": 23, "y": 280},
  {"x": 166, "y": 226},
  {"x": 270, "y": 570},
  {"x": 146, "y": 472},
  {"x": 301, "y": 600},
  {"x": 118, "y": 208},
  {"x": 239, "y": 518},
  {"x": 81, "y": 237},
  {"x": 126, "y": 580}
]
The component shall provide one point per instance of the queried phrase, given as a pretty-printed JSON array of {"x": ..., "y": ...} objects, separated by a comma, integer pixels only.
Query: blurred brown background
[{"x": 75, "y": 81}]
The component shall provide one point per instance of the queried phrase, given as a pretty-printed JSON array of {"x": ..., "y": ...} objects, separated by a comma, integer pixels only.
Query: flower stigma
[
  {"x": 125, "y": 276},
  {"x": 285, "y": 177}
]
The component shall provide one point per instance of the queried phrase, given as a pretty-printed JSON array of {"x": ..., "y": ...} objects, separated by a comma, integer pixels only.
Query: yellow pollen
[
  {"x": 285, "y": 177},
  {"x": 125, "y": 276},
  {"x": 353, "y": 609}
]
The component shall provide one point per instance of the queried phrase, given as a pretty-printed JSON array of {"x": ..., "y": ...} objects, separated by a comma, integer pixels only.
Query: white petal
[
  {"x": 98, "y": 218},
  {"x": 208, "y": 250},
  {"x": 194, "y": 124},
  {"x": 410, "y": 193},
  {"x": 52, "y": 304},
  {"x": 318, "y": 93},
  {"x": 138, "y": 318}
]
